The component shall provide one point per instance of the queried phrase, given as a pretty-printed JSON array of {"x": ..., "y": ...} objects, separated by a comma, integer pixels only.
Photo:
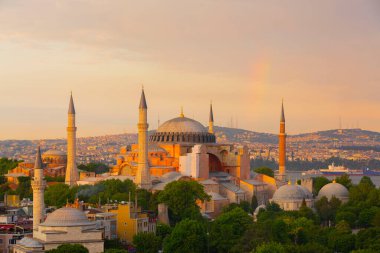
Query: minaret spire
[
  {"x": 38, "y": 186},
  {"x": 282, "y": 112},
  {"x": 71, "y": 105},
  {"x": 71, "y": 169},
  {"x": 211, "y": 121},
  {"x": 282, "y": 145},
  {"x": 143, "y": 172}
]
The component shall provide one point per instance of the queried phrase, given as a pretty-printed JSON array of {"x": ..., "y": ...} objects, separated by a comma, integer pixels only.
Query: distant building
[{"x": 131, "y": 220}]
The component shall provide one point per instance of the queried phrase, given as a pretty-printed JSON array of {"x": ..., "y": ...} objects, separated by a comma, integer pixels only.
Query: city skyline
[{"x": 244, "y": 56}]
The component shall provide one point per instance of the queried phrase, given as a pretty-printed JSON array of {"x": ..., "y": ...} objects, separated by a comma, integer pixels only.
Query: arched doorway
[{"x": 214, "y": 163}]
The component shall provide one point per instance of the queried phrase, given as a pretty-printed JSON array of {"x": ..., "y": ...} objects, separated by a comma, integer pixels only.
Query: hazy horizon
[{"x": 322, "y": 57}]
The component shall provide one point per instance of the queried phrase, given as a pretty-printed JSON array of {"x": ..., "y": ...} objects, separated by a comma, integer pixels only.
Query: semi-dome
[
  {"x": 290, "y": 192},
  {"x": 67, "y": 217},
  {"x": 182, "y": 130},
  {"x": 182, "y": 125},
  {"x": 334, "y": 189}
]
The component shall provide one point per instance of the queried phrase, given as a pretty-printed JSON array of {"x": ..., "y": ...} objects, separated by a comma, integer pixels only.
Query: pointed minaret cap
[
  {"x": 143, "y": 100},
  {"x": 38, "y": 162},
  {"x": 282, "y": 112},
  {"x": 211, "y": 118},
  {"x": 71, "y": 105}
]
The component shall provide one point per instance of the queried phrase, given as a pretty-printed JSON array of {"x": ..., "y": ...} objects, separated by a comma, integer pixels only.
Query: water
[{"x": 295, "y": 175}]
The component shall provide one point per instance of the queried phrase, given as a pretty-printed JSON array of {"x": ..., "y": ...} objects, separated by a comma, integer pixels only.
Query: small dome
[
  {"x": 334, "y": 189},
  {"x": 30, "y": 243},
  {"x": 53, "y": 152},
  {"x": 182, "y": 125},
  {"x": 290, "y": 192},
  {"x": 67, "y": 217}
]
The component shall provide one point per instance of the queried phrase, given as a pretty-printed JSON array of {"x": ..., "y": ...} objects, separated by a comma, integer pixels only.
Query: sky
[{"x": 322, "y": 57}]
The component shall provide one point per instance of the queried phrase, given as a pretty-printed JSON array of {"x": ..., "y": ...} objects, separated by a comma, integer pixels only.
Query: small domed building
[
  {"x": 55, "y": 157},
  {"x": 290, "y": 197},
  {"x": 334, "y": 189},
  {"x": 65, "y": 225}
]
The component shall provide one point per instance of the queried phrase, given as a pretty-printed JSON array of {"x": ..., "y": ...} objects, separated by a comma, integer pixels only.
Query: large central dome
[
  {"x": 182, "y": 130},
  {"x": 182, "y": 125}
]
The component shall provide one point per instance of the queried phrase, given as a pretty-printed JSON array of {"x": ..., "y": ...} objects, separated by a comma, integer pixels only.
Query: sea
[{"x": 295, "y": 175}]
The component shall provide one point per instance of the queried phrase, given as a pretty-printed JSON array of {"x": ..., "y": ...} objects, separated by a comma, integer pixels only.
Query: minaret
[
  {"x": 71, "y": 169},
  {"x": 282, "y": 145},
  {"x": 38, "y": 186},
  {"x": 143, "y": 171},
  {"x": 211, "y": 121}
]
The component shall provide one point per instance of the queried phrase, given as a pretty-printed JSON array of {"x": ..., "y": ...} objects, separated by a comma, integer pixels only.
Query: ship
[
  {"x": 333, "y": 170},
  {"x": 368, "y": 172}
]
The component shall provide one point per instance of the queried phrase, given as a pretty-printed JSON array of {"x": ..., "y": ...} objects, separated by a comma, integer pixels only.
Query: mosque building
[
  {"x": 64, "y": 226},
  {"x": 184, "y": 149}
]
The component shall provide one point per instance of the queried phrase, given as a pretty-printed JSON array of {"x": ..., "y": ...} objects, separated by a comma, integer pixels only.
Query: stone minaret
[
  {"x": 38, "y": 186},
  {"x": 143, "y": 171},
  {"x": 282, "y": 146},
  {"x": 71, "y": 169},
  {"x": 211, "y": 121}
]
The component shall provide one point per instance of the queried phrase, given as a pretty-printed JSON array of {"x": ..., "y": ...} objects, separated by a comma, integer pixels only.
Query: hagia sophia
[{"x": 181, "y": 149}]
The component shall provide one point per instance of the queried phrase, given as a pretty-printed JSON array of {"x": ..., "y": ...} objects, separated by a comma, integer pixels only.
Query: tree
[
  {"x": 98, "y": 168},
  {"x": 272, "y": 247},
  {"x": 254, "y": 202},
  {"x": 116, "y": 251},
  {"x": 188, "y": 236},
  {"x": 228, "y": 228},
  {"x": 327, "y": 209},
  {"x": 72, "y": 248},
  {"x": 163, "y": 230},
  {"x": 265, "y": 170},
  {"x": 7, "y": 164},
  {"x": 58, "y": 195},
  {"x": 147, "y": 242},
  {"x": 344, "y": 180},
  {"x": 347, "y": 216},
  {"x": 181, "y": 198},
  {"x": 367, "y": 215},
  {"x": 24, "y": 188},
  {"x": 318, "y": 183},
  {"x": 368, "y": 239}
]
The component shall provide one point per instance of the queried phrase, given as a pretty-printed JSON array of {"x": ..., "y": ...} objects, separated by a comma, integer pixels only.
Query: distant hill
[{"x": 347, "y": 136}]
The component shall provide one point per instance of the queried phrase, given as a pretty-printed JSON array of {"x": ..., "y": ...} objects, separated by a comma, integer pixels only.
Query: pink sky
[{"x": 322, "y": 57}]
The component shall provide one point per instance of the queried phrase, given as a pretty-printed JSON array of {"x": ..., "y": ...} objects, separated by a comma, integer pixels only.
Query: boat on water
[
  {"x": 333, "y": 170},
  {"x": 368, "y": 172}
]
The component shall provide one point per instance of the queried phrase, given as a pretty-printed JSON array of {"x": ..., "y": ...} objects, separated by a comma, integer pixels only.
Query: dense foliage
[
  {"x": 7, "y": 164},
  {"x": 98, "y": 168},
  {"x": 181, "y": 198},
  {"x": 72, "y": 248},
  {"x": 265, "y": 170},
  {"x": 147, "y": 243}
]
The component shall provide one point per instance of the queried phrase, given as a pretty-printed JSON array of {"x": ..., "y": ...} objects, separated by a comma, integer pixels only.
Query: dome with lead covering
[
  {"x": 334, "y": 189},
  {"x": 291, "y": 192},
  {"x": 182, "y": 125},
  {"x": 182, "y": 130},
  {"x": 67, "y": 217}
]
